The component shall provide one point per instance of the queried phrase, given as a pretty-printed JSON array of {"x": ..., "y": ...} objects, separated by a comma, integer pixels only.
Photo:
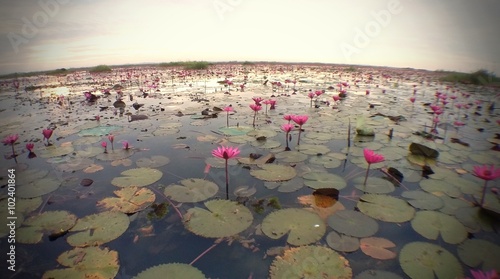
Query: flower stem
[
  {"x": 254, "y": 115},
  {"x": 367, "y": 171},
  {"x": 227, "y": 183},
  {"x": 227, "y": 119},
  {"x": 13, "y": 151},
  {"x": 484, "y": 192},
  {"x": 300, "y": 131}
]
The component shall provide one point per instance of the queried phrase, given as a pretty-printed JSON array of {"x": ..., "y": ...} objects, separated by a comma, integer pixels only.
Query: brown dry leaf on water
[
  {"x": 93, "y": 168},
  {"x": 125, "y": 162},
  {"x": 375, "y": 247},
  {"x": 323, "y": 212}
]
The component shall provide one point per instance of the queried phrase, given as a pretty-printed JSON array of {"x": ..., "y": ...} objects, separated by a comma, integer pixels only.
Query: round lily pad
[
  {"x": 479, "y": 253},
  {"x": 431, "y": 224},
  {"x": 291, "y": 156},
  {"x": 377, "y": 247},
  {"x": 129, "y": 200},
  {"x": 266, "y": 144},
  {"x": 99, "y": 228},
  {"x": 51, "y": 222},
  {"x": 475, "y": 219},
  {"x": 386, "y": 208},
  {"x": 312, "y": 149},
  {"x": 88, "y": 262},
  {"x": 174, "y": 270},
  {"x": 137, "y": 177},
  {"x": 192, "y": 190},
  {"x": 271, "y": 172},
  {"x": 318, "y": 180},
  {"x": 353, "y": 223},
  {"x": 54, "y": 151},
  {"x": 288, "y": 186},
  {"x": 116, "y": 154},
  {"x": 440, "y": 186},
  {"x": 98, "y": 131},
  {"x": 374, "y": 185},
  {"x": 223, "y": 218},
  {"x": 302, "y": 226},
  {"x": 310, "y": 262},
  {"x": 38, "y": 187},
  {"x": 423, "y": 200},
  {"x": 329, "y": 161},
  {"x": 154, "y": 162},
  {"x": 427, "y": 261},
  {"x": 342, "y": 243},
  {"x": 235, "y": 131}
]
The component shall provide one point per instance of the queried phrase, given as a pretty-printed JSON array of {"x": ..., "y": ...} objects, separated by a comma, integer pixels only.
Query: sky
[{"x": 457, "y": 35}]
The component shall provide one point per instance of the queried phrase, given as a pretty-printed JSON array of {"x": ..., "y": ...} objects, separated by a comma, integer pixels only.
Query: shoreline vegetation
[{"x": 479, "y": 77}]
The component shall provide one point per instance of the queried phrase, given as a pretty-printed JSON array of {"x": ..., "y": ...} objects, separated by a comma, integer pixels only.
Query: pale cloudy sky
[{"x": 460, "y": 35}]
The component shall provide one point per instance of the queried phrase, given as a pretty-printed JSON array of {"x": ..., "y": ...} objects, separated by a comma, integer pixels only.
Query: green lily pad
[
  {"x": 271, "y": 172},
  {"x": 310, "y": 262},
  {"x": 374, "y": 185},
  {"x": 451, "y": 205},
  {"x": 167, "y": 129},
  {"x": 386, "y": 208},
  {"x": 98, "y": 131},
  {"x": 174, "y": 270},
  {"x": 302, "y": 226},
  {"x": 440, "y": 186},
  {"x": 288, "y": 186},
  {"x": 319, "y": 136},
  {"x": 235, "y": 131},
  {"x": 423, "y": 200},
  {"x": 137, "y": 177},
  {"x": 377, "y": 274},
  {"x": 291, "y": 156},
  {"x": 223, "y": 218},
  {"x": 38, "y": 187},
  {"x": 97, "y": 229},
  {"x": 88, "y": 152},
  {"x": 54, "y": 151},
  {"x": 431, "y": 224},
  {"x": 129, "y": 200},
  {"x": 329, "y": 161},
  {"x": 313, "y": 149},
  {"x": 353, "y": 223},
  {"x": 479, "y": 253},
  {"x": 192, "y": 190},
  {"x": 266, "y": 144},
  {"x": 318, "y": 180},
  {"x": 427, "y": 261},
  {"x": 475, "y": 219},
  {"x": 342, "y": 243},
  {"x": 262, "y": 133},
  {"x": 51, "y": 222},
  {"x": 23, "y": 206},
  {"x": 89, "y": 262},
  {"x": 154, "y": 162},
  {"x": 116, "y": 154}
]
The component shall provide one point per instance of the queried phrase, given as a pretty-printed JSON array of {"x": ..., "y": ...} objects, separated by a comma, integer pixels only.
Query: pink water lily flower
[
  {"x": 371, "y": 158},
  {"x": 273, "y": 104},
  {"x": 486, "y": 173},
  {"x": 479, "y": 274},
  {"x": 226, "y": 153},
  {"x": 412, "y": 99},
  {"x": 47, "y": 133},
  {"x": 30, "y": 146},
  {"x": 257, "y": 100},
  {"x": 288, "y": 117},
  {"x": 255, "y": 108},
  {"x": 125, "y": 145},
  {"x": 228, "y": 109},
  {"x": 300, "y": 120},
  {"x": 11, "y": 140}
]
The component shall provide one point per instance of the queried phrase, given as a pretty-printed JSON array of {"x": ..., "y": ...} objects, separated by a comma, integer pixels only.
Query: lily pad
[
  {"x": 377, "y": 274},
  {"x": 174, "y": 270},
  {"x": 192, "y": 190},
  {"x": 427, "y": 261},
  {"x": 475, "y": 219},
  {"x": 129, "y": 200},
  {"x": 313, "y": 149},
  {"x": 89, "y": 262},
  {"x": 310, "y": 262},
  {"x": 97, "y": 229},
  {"x": 423, "y": 200},
  {"x": 342, "y": 243},
  {"x": 386, "y": 208},
  {"x": 235, "y": 131},
  {"x": 274, "y": 173},
  {"x": 374, "y": 185},
  {"x": 303, "y": 227},
  {"x": 376, "y": 247},
  {"x": 117, "y": 154},
  {"x": 137, "y": 177},
  {"x": 440, "y": 186},
  {"x": 318, "y": 180},
  {"x": 479, "y": 253},
  {"x": 38, "y": 187},
  {"x": 291, "y": 156},
  {"x": 154, "y": 162},
  {"x": 329, "y": 161},
  {"x": 55, "y": 151},
  {"x": 431, "y": 224},
  {"x": 51, "y": 222},
  {"x": 353, "y": 223},
  {"x": 98, "y": 131},
  {"x": 286, "y": 186},
  {"x": 223, "y": 218}
]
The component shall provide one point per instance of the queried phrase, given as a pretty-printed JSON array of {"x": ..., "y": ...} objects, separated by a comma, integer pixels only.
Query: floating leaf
[
  {"x": 342, "y": 243},
  {"x": 377, "y": 274},
  {"x": 244, "y": 191},
  {"x": 328, "y": 161},
  {"x": 291, "y": 156},
  {"x": 98, "y": 131},
  {"x": 323, "y": 212},
  {"x": 137, "y": 177},
  {"x": 318, "y": 180},
  {"x": 89, "y": 262},
  {"x": 286, "y": 186},
  {"x": 451, "y": 205},
  {"x": 303, "y": 227},
  {"x": 174, "y": 270},
  {"x": 129, "y": 200},
  {"x": 223, "y": 218},
  {"x": 479, "y": 253},
  {"x": 192, "y": 190},
  {"x": 376, "y": 247},
  {"x": 93, "y": 168},
  {"x": 313, "y": 149},
  {"x": 440, "y": 186},
  {"x": 54, "y": 151},
  {"x": 252, "y": 160},
  {"x": 475, "y": 219},
  {"x": 353, "y": 223},
  {"x": 274, "y": 173},
  {"x": 113, "y": 155},
  {"x": 125, "y": 162},
  {"x": 235, "y": 131},
  {"x": 427, "y": 261},
  {"x": 154, "y": 162},
  {"x": 97, "y": 229},
  {"x": 310, "y": 262},
  {"x": 423, "y": 200},
  {"x": 431, "y": 224},
  {"x": 386, "y": 208},
  {"x": 86, "y": 182},
  {"x": 38, "y": 187},
  {"x": 51, "y": 222},
  {"x": 374, "y": 185}
]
